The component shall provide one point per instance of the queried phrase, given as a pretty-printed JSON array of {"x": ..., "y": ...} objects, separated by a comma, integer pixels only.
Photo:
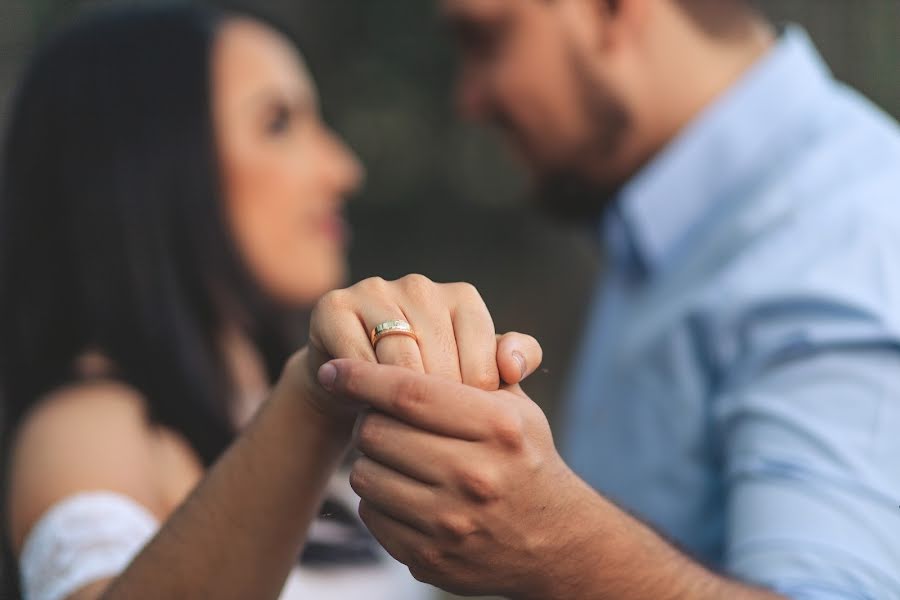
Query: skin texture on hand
[
  {"x": 466, "y": 488},
  {"x": 456, "y": 336},
  {"x": 457, "y": 483}
]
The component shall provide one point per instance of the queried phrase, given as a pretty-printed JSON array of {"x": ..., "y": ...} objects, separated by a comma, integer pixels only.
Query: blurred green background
[{"x": 385, "y": 67}]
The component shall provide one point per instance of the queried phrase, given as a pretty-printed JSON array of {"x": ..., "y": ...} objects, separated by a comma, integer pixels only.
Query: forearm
[
  {"x": 243, "y": 527},
  {"x": 612, "y": 555}
]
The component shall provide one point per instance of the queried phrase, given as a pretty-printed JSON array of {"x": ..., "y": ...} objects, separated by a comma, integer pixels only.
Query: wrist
[
  {"x": 603, "y": 552},
  {"x": 574, "y": 546},
  {"x": 299, "y": 387}
]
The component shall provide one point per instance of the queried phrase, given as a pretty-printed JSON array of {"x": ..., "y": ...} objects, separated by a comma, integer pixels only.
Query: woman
[{"x": 169, "y": 197}]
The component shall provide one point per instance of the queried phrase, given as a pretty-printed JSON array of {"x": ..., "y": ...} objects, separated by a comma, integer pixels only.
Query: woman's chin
[{"x": 316, "y": 283}]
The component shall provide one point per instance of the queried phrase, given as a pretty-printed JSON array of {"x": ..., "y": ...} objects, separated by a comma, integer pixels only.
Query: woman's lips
[{"x": 335, "y": 227}]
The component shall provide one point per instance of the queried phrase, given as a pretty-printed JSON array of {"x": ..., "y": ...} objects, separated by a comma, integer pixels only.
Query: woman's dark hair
[
  {"x": 113, "y": 233},
  {"x": 113, "y": 236}
]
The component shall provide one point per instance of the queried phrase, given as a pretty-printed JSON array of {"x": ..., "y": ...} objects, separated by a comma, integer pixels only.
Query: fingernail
[
  {"x": 327, "y": 374},
  {"x": 520, "y": 360}
]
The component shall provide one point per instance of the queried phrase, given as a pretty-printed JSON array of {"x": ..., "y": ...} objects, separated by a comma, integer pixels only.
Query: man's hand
[
  {"x": 462, "y": 485},
  {"x": 465, "y": 487}
]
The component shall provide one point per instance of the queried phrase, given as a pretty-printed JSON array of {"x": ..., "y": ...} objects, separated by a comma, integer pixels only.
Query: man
[{"x": 733, "y": 425}]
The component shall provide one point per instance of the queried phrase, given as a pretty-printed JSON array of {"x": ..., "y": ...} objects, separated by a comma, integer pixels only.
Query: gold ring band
[{"x": 389, "y": 328}]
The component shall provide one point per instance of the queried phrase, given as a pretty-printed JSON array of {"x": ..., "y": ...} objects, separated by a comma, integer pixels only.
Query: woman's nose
[{"x": 347, "y": 172}]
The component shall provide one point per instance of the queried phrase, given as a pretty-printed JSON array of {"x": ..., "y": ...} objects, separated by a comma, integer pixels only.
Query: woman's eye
[{"x": 280, "y": 121}]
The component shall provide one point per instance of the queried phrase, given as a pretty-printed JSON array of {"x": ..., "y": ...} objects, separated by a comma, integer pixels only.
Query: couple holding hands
[{"x": 171, "y": 198}]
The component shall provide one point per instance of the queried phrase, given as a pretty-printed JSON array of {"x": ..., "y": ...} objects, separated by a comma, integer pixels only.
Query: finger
[
  {"x": 424, "y": 302},
  {"x": 418, "y": 454},
  {"x": 403, "y": 499},
  {"x": 398, "y": 350},
  {"x": 518, "y": 356},
  {"x": 476, "y": 340},
  {"x": 434, "y": 328},
  {"x": 336, "y": 330},
  {"x": 397, "y": 538},
  {"x": 432, "y": 403}
]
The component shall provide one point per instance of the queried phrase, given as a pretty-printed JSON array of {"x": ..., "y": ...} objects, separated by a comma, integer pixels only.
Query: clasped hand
[{"x": 458, "y": 474}]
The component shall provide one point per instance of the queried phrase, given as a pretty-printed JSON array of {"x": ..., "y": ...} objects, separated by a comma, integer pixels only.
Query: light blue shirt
[{"x": 739, "y": 384}]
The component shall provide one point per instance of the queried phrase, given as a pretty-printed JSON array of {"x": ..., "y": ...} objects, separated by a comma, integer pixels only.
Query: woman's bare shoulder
[{"x": 84, "y": 437}]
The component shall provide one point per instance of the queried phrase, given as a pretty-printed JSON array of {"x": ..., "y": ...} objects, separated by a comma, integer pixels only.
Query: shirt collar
[{"x": 658, "y": 209}]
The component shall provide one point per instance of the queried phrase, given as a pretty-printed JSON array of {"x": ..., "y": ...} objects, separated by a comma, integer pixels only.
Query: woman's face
[{"x": 285, "y": 173}]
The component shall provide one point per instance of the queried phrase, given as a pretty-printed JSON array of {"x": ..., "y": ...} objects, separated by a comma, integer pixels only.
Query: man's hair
[{"x": 721, "y": 17}]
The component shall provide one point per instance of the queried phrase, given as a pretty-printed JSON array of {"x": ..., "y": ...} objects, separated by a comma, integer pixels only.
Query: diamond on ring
[{"x": 393, "y": 327}]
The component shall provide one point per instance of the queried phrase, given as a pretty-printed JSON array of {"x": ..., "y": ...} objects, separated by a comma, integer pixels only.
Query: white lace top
[{"x": 94, "y": 536}]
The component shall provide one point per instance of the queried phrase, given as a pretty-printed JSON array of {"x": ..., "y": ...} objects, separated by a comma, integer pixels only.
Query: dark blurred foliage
[{"x": 442, "y": 197}]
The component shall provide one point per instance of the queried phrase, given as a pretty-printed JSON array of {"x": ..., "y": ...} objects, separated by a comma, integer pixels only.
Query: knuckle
[
  {"x": 331, "y": 302},
  {"x": 417, "y": 279},
  {"x": 466, "y": 290},
  {"x": 535, "y": 420},
  {"x": 376, "y": 282},
  {"x": 427, "y": 558},
  {"x": 508, "y": 431},
  {"x": 418, "y": 286},
  {"x": 369, "y": 435},
  {"x": 479, "y": 485},
  {"x": 534, "y": 462},
  {"x": 372, "y": 285},
  {"x": 487, "y": 379},
  {"x": 411, "y": 395},
  {"x": 359, "y": 478},
  {"x": 455, "y": 526}
]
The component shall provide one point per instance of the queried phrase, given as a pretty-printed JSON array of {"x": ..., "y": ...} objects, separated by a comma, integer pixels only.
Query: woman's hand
[{"x": 456, "y": 337}]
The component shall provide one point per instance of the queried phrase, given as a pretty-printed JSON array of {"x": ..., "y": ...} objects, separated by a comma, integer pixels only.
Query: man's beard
[
  {"x": 565, "y": 192},
  {"x": 571, "y": 198}
]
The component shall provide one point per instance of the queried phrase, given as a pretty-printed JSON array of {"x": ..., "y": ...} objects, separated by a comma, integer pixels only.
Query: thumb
[{"x": 518, "y": 356}]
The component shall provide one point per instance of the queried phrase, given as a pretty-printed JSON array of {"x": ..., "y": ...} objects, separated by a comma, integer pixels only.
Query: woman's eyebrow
[{"x": 302, "y": 100}]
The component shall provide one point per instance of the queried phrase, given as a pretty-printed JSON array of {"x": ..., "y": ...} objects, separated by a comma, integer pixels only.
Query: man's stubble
[{"x": 574, "y": 190}]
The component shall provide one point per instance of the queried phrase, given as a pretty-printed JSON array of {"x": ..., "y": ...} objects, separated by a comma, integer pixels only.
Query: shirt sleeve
[
  {"x": 811, "y": 457},
  {"x": 82, "y": 539}
]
